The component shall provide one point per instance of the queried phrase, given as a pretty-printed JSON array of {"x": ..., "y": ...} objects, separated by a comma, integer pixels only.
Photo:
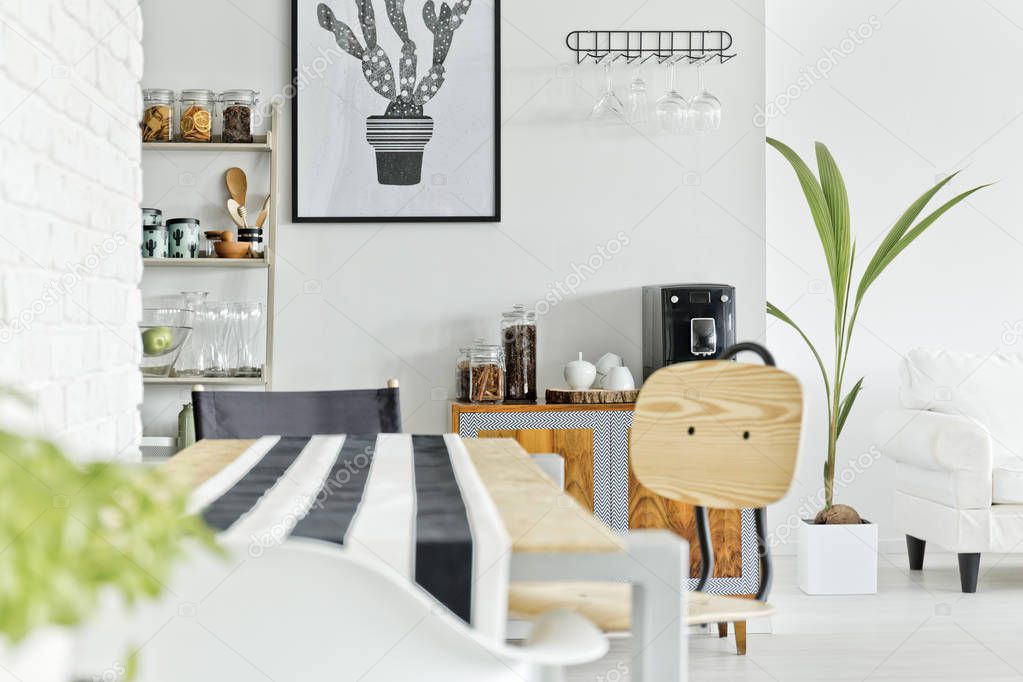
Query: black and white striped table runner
[{"x": 414, "y": 504}]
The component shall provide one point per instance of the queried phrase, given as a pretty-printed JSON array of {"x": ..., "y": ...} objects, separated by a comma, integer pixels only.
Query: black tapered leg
[
  {"x": 916, "y": 547},
  {"x": 969, "y": 569}
]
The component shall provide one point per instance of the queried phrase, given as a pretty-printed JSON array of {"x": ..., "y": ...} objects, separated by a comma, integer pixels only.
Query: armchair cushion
[
  {"x": 941, "y": 457},
  {"x": 1007, "y": 486},
  {"x": 987, "y": 388}
]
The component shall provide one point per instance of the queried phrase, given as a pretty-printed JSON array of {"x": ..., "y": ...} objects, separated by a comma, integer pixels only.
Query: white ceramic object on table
[
  {"x": 604, "y": 365},
  {"x": 579, "y": 374},
  {"x": 619, "y": 379}
]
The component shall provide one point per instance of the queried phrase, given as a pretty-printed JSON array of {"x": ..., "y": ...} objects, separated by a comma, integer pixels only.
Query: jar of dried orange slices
[{"x": 196, "y": 119}]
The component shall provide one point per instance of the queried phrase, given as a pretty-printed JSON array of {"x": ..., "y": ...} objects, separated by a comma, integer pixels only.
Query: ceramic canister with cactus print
[
  {"x": 154, "y": 242},
  {"x": 183, "y": 237}
]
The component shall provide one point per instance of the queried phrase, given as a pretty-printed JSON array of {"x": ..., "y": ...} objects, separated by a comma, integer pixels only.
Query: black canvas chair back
[{"x": 242, "y": 414}]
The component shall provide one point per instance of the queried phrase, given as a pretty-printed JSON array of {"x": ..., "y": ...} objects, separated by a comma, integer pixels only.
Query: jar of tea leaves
[
  {"x": 196, "y": 121},
  {"x": 157, "y": 114},
  {"x": 238, "y": 109},
  {"x": 518, "y": 336},
  {"x": 486, "y": 374}
]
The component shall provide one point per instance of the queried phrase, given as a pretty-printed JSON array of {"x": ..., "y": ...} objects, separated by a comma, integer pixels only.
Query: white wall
[
  {"x": 360, "y": 303},
  {"x": 69, "y": 220},
  {"x": 932, "y": 89}
]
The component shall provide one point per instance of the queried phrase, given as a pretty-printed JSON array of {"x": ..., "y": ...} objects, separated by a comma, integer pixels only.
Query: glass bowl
[{"x": 163, "y": 332}]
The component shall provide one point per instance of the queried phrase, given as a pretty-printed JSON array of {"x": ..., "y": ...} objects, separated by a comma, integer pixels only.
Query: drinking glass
[
  {"x": 248, "y": 327},
  {"x": 672, "y": 108},
  {"x": 638, "y": 103},
  {"x": 217, "y": 359},
  {"x": 190, "y": 361},
  {"x": 608, "y": 107},
  {"x": 706, "y": 108}
]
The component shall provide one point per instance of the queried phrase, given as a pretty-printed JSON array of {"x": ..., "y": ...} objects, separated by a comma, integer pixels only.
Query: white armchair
[{"x": 957, "y": 443}]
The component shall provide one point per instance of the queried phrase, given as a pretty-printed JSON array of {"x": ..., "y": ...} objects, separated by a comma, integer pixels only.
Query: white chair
[
  {"x": 306, "y": 610},
  {"x": 958, "y": 446}
]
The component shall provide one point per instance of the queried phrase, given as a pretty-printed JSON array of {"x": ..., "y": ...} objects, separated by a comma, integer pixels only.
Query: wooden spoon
[
  {"x": 261, "y": 218},
  {"x": 233, "y": 210},
  {"x": 237, "y": 184}
]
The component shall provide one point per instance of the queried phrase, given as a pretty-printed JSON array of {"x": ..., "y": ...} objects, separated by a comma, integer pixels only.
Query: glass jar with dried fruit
[
  {"x": 518, "y": 335},
  {"x": 196, "y": 121},
  {"x": 486, "y": 374},
  {"x": 238, "y": 110},
  {"x": 157, "y": 114}
]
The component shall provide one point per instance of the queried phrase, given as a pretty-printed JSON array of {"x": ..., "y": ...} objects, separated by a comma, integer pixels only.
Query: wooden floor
[{"x": 918, "y": 627}]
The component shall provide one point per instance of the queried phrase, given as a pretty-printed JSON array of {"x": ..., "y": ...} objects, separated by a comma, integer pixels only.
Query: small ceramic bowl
[{"x": 231, "y": 249}]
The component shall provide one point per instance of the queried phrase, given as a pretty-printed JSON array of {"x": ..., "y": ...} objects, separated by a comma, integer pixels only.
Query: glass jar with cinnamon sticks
[{"x": 486, "y": 374}]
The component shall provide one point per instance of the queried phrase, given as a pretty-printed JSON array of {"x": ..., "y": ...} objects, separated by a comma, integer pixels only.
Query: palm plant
[{"x": 829, "y": 208}]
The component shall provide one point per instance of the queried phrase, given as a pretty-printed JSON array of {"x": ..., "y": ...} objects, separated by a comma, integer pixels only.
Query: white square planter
[{"x": 837, "y": 559}]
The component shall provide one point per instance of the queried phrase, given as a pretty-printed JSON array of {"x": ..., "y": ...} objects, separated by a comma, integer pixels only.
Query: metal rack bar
[{"x": 664, "y": 46}]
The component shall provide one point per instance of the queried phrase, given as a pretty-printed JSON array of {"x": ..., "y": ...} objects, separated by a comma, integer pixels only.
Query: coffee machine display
[{"x": 683, "y": 322}]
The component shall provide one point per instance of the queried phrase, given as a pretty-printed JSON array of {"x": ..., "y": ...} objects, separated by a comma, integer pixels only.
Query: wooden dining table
[{"x": 553, "y": 538}]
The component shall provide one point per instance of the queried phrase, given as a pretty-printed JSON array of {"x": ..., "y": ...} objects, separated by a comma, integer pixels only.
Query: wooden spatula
[
  {"x": 237, "y": 184},
  {"x": 261, "y": 218}
]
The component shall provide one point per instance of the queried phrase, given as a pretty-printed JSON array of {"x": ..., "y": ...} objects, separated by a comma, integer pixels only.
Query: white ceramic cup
[{"x": 619, "y": 379}]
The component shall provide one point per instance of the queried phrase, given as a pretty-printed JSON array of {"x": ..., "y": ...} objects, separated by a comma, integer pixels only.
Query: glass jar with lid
[
  {"x": 518, "y": 335},
  {"x": 238, "y": 110},
  {"x": 196, "y": 120},
  {"x": 486, "y": 374},
  {"x": 462, "y": 371},
  {"x": 157, "y": 114}
]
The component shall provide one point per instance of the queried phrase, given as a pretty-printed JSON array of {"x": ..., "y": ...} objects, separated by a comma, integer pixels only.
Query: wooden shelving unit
[
  {"x": 206, "y": 381},
  {"x": 263, "y": 144},
  {"x": 206, "y": 262}
]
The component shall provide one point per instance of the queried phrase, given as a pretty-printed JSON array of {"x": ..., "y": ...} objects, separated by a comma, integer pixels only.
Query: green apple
[{"x": 157, "y": 340}]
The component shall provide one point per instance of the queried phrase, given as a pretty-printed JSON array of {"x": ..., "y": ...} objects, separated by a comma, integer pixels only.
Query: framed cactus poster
[{"x": 396, "y": 110}]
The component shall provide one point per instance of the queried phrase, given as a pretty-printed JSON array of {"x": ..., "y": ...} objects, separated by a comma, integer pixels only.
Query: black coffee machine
[{"x": 683, "y": 322}]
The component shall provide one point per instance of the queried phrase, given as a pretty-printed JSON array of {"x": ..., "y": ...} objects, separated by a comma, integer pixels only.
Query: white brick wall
[{"x": 70, "y": 186}]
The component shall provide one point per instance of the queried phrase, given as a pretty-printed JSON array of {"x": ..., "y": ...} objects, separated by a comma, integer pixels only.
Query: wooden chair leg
[
  {"x": 722, "y": 629},
  {"x": 740, "y": 637}
]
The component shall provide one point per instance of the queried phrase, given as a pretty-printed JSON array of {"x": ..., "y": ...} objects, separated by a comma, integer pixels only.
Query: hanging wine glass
[
  {"x": 638, "y": 102},
  {"x": 672, "y": 108},
  {"x": 608, "y": 107},
  {"x": 706, "y": 108}
]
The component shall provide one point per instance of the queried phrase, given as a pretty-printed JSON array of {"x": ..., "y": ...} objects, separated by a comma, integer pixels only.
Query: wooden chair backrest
[{"x": 718, "y": 434}]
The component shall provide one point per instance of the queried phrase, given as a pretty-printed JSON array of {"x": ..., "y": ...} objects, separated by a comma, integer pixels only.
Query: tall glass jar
[
  {"x": 157, "y": 115},
  {"x": 518, "y": 335},
  {"x": 486, "y": 374},
  {"x": 238, "y": 110},
  {"x": 196, "y": 120}
]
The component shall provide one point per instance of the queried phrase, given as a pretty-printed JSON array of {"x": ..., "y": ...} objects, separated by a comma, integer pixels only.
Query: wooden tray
[{"x": 568, "y": 396}]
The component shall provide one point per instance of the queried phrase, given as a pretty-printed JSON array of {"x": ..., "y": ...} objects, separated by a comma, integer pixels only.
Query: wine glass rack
[{"x": 667, "y": 47}]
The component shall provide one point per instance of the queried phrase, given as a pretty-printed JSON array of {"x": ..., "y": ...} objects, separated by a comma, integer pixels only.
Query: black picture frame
[{"x": 297, "y": 218}]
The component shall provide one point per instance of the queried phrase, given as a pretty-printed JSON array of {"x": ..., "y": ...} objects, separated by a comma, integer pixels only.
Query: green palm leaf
[
  {"x": 882, "y": 258},
  {"x": 847, "y": 403},
  {"x": 775, "y": 311},
  {"x": 819, "y": 210}
]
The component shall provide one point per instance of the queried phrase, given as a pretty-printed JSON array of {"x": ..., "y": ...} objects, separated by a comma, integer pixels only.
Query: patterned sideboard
[{"x": 594, "y": 441}]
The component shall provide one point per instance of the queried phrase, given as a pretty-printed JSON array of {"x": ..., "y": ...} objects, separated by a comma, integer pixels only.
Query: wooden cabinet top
[{"x": 458, "y": 408}]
